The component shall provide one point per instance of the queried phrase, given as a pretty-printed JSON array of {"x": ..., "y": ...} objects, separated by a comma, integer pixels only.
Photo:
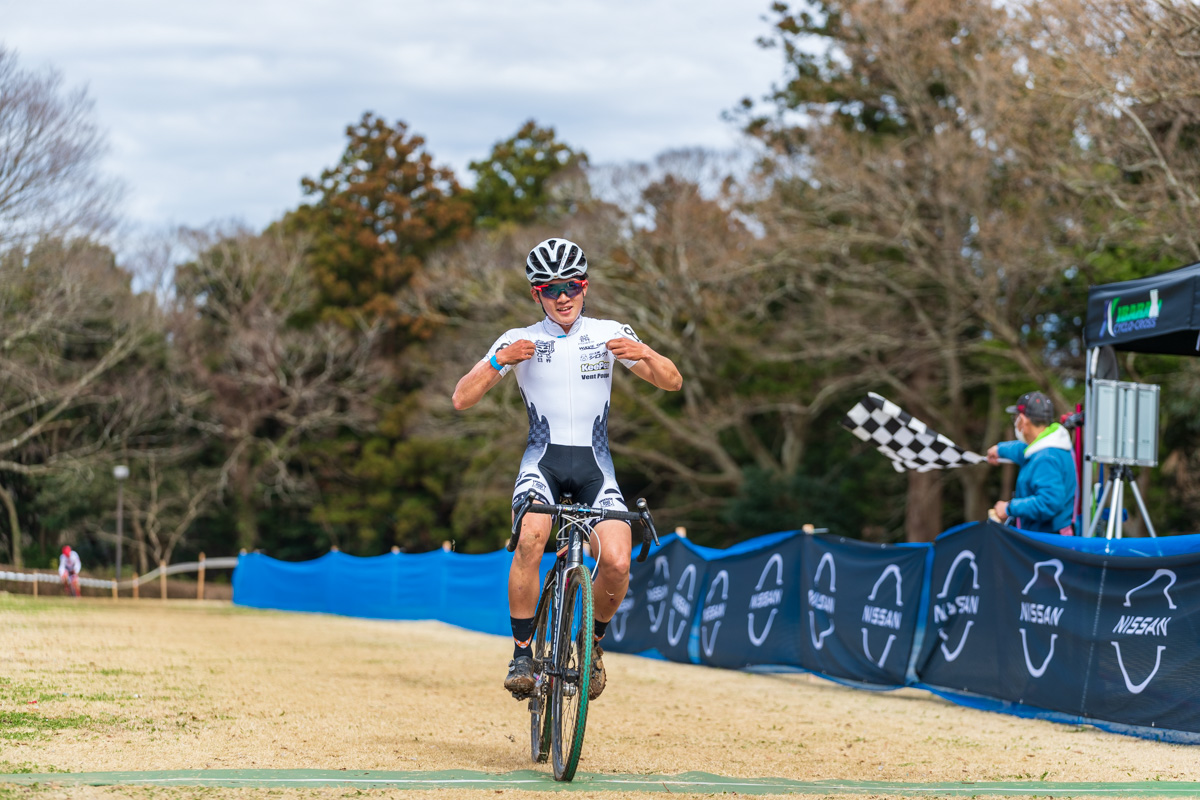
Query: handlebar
[{"x": 642, "y": 515}]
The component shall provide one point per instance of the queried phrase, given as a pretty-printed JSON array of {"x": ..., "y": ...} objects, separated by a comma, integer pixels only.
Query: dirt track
[{"x": 201, "y": 686}]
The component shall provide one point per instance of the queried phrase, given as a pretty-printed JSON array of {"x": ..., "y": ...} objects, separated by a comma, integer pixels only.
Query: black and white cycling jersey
[{"x": 566, "y": 388}]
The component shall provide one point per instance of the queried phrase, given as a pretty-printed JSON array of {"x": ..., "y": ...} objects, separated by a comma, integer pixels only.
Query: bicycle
[
  {"x": 70, "y": 582},
  {"x": 563, "y": 630}
]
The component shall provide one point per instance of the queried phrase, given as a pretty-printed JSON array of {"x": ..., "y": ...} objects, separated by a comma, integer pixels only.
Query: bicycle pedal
[{"x": 522, "y": 695}]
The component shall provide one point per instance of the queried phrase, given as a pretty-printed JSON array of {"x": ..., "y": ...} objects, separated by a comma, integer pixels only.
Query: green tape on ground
[{"x": 532, "y": 780}]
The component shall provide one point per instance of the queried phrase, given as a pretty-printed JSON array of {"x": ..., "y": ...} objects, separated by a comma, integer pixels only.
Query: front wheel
[{"x": 569, "y": 688}]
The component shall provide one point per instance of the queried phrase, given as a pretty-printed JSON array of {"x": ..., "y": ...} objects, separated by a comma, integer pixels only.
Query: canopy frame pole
[{"x": 1093, "y": 357}]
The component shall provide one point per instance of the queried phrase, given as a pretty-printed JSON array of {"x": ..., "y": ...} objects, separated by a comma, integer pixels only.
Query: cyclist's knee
[
  {"x": 614, "y": 561},
  {"x": 535, "y": 530}
]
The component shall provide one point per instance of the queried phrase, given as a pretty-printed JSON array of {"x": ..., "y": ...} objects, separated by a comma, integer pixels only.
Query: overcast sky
[{"x": 215, "y": 110}]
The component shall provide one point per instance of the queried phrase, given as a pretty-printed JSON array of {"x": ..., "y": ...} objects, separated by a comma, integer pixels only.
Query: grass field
[{"x": 94, "y": 686}]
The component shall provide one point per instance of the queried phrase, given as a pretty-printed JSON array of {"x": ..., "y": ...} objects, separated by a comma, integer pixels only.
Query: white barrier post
[{"x": 200, "y": 580}]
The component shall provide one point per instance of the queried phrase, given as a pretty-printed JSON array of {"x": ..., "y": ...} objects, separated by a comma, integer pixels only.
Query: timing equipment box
[{"x": 1124, "y": 423}]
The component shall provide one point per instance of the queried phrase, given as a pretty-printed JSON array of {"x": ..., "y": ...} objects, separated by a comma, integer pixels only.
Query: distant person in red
[{"x": 68, "y": 570}]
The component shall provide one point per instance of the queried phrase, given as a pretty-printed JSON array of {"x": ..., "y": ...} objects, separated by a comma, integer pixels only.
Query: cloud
[{"x": 217, "y": 110}]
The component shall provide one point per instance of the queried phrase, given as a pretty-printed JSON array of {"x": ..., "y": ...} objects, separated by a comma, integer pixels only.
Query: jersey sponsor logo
[
  {"x": 1146, "y": 620},
  {"x": 878, "y": 612},
  {"x": 607, "y": 502},
  {"x": 1044, "y": 614},
  {"x": 629, "y": 334},
  {"x": 594, "y": 366},
  {"x": 543, "y": 351},
  {"x": 949, "y": 609}
]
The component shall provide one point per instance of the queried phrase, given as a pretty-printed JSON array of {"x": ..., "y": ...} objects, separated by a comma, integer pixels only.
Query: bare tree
[
  {"x": 68, "y": 327},
  {"x": 930, "y": 219},
  {"x": 1128, "y": 70},
  {"x": 264, "y": 377},
  {"x": 50, "y": 152}
]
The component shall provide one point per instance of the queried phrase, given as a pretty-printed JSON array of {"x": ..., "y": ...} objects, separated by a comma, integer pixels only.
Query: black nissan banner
[
  {"x": 859, "y": 606},
  {"x": 1146, "y": 648},
  {"x": 960, "y": 649},
  {"x": 661, "y": 603},
  {"x": 1099, "y": 636},
  {"x": 749, "y": 611}
]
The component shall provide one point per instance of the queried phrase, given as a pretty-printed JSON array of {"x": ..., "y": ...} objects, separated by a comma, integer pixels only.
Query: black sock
[
  {"x": 600, "y": 628},
  {"x": 522, "y": 630}
]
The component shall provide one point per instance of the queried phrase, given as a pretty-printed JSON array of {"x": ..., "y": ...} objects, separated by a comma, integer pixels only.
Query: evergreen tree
[{"x": 515, "y": 183}]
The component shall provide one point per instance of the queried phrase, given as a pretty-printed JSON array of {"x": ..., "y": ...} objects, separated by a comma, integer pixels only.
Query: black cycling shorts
[{"x": 555, "y": 470}]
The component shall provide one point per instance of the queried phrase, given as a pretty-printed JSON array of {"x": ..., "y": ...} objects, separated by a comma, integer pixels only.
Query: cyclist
[
  {"x": 68, "y": 570},
  {"x": 563, "y": 365}
]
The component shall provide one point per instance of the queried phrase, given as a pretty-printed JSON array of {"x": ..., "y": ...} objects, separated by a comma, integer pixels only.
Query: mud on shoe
[
  {"x": 520, "y": 680},
  {"x": 599, "y": 676}
]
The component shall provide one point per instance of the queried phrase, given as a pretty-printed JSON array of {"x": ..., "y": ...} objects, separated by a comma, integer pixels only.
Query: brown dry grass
[{"x": 193, "y": 686}]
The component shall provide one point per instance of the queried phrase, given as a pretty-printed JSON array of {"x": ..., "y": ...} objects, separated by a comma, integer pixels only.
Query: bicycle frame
[{"x": 554, "y": 655}]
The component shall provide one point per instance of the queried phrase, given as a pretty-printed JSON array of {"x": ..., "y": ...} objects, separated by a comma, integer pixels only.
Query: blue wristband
[{"x": 495, "y": 364}]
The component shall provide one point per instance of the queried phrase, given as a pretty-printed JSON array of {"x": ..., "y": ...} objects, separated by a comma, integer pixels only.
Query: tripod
[{"x": 1115, "y": 486}]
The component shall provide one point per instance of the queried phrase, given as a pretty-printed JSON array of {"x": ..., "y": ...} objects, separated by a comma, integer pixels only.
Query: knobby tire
[
  {"x": 569, "y": 691},
  {"x": 539, "y": 704}
]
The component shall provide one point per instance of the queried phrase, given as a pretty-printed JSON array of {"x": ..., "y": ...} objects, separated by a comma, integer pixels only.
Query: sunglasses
[{"x": 571, "y": 289}]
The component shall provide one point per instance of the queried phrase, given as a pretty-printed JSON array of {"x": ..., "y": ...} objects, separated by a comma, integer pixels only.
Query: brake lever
[
  {"x": 517, "y": 518},
  {"x": 647, "y": 528}
]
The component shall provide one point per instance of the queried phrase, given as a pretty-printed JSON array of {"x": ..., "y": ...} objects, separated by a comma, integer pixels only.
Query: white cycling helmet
[{"x": 555, "y": 260}]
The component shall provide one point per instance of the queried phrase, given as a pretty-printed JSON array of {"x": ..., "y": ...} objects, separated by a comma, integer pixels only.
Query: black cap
[{"x": 1034, "y": 405}]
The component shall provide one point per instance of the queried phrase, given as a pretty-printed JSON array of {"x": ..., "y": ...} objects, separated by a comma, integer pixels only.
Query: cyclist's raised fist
[
  {"x": 628, "y": 349},
  {"x": 515, "y": 353}
]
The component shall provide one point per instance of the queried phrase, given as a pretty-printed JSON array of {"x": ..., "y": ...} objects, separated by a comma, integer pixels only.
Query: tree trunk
[
  {"x": 139, "y": 539},
  {"x": 923, "y": 512},
  {"x": 246, "y": 516},
  {"x": 14, "y": 525},
  {"x": 976, "y": 501}
]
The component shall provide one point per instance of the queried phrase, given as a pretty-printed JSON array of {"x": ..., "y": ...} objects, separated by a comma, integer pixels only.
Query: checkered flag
[{"x": 908, "y": 442}]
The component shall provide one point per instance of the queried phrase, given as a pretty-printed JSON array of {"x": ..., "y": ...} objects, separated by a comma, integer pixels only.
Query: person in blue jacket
[{"x": 1044, "y": 497}]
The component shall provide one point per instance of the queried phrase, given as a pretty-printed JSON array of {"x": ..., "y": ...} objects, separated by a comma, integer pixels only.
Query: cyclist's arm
[
  {"x": 651, "y": 366},
  {"x": 475, "y": 384},
  {"x": 483, "y": 376}
]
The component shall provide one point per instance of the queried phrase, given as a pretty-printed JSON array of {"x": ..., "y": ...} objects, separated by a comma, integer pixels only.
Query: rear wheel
[
  {"x": 539, "y": 704},
  {"x": 569, "y": 689}
]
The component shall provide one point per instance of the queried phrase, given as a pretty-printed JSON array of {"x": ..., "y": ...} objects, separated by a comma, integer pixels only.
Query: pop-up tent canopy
[{"x": 1158, "y": 314}]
